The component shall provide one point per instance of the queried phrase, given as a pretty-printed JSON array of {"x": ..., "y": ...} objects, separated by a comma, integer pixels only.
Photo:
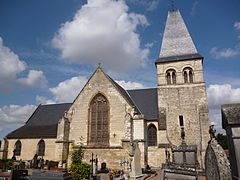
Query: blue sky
[{"x": 48, "y": 49}]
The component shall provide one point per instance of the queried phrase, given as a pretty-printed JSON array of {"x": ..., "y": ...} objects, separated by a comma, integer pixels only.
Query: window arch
[
  {"x": 188, "y": 75},
  {"x": 99, "y": 115},
  {"x": 171, "y": 76},
  {"x": 18, "y": 148},
  {"x": 41, "y": 148},
  {"x": 152, "y": 135}
]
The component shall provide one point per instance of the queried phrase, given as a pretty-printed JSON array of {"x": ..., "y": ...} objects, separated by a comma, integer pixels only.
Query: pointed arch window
[
  {"x": 171, "y": 76},
  {"x": 18, "y": 148},
  {"x": 41, "y": 148},
  {"x": 152, "y": 135},
  {"x": 99, "y": 121},
  {"x": 188, "y": 75}
]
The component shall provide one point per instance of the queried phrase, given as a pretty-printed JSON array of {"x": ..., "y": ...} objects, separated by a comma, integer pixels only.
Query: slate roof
[
  {"x": 44, "y": 120},
  {"x": 124, "y": 93},
  {"x": 147, "y": 102},
  {"x": 177, "y": 43},
  {"x": 42, "y": 123}
]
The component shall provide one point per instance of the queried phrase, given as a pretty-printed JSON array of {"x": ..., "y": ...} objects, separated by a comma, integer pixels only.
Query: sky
[{"x": 49, "y": 49}]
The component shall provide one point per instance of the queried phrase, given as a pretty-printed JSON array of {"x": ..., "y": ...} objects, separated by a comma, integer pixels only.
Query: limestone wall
[
  {"x": 99, "y": 83},
  {"x": 29, "y": 148},
  {"x": 187, "y": 100}
]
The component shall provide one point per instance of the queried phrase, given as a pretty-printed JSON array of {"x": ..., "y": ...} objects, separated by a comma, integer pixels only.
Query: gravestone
[
  {"x": 136, "y": 170},
  {"x": 231, "y": 123},
  {"x": 49, "y": 175},
  {"x": 216, "y": 162},
  {"x": 19, "y": 174},
  {"x": 184, "y": 161}
]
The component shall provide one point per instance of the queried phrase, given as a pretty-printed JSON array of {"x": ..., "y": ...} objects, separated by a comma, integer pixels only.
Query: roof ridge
[
  {"x": 141, "y": 89},
  {"x": 55, "y": 104}
]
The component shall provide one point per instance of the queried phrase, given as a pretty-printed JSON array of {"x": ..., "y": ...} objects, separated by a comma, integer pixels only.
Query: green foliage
[
  {"x": 78, "y": 152},
  {"x": 222, "y": 140},
  {"x": 116, "y": 172},
  {"x": 6, "y": 164},
  {"x": 79, "y": 170}
]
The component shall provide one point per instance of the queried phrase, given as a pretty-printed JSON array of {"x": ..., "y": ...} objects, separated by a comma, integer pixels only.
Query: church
[{"x": 108, "y": 118}]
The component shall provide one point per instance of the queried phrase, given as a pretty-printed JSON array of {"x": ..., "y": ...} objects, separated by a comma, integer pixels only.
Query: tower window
[
  {"x": 188, "y": 75},
  {"x": 171, "y": 76},
  {"x": 152, "y": 135},
  {"x": 181, "y": 121},
  {"x": 98, "y": 122}
]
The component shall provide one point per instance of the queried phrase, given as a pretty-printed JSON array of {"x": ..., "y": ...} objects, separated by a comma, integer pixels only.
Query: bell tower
[{"x": 182, "y": 99}]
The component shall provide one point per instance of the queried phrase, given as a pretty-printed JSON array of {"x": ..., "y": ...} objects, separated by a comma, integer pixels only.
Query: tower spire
[{"x": 177, "y": 43}]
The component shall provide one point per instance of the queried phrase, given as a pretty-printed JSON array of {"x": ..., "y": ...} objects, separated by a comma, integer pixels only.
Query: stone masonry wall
[
  {"x": 187, "y": 100},
  {"x": 118, "y": 129},
  {"x": 29, "y": 149}
]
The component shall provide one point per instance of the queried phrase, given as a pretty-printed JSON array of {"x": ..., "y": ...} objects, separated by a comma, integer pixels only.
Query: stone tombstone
[
  {"x": 216, "y": 162},
  {"x": 231, "y": 123},
  {"x": 47, "y": 175},
  {"x": 136, "y": 170}
]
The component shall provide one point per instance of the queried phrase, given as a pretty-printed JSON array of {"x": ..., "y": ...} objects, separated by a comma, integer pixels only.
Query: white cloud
[
  {"x": 218, "y": 95},
  {"x": 16, "y": 113},
  {"x": 194, "y": 8},
  {"x": 225, "y": 53},
  {"x": 222, "y": 94},
  {"x": 103, "y": 31},
  {"x": 130, "y": 85},
  {"x": 10, "y": 66},
  {"x": 67, "y": 90},
  {"x": 44, "y": 100},
  {"x": 153, "y": 5},
  {"x": 149, "y": 45},
  {"x": 237, "y": 25},
  {"x": 34, "y": 79}
]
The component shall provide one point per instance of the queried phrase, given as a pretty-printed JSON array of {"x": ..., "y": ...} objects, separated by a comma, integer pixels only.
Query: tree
[
  {"x": 79, "y": 169},
  {"x": 222, "y": 140},
  {"x": 78, "y": 152}
]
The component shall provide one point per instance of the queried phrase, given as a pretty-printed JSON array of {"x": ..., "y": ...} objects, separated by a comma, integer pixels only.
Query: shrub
[
  {"x": 79, "y": 170},
  {"x": 6, "y": 164},
  {"x": 116, "y": 172}
]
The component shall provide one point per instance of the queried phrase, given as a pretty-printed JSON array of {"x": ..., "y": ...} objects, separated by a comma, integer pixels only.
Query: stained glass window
[{"x": 99, "y": 112}]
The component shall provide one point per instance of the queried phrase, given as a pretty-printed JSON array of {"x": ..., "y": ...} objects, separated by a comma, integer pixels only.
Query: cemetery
[{"x": 109, "y": 133}]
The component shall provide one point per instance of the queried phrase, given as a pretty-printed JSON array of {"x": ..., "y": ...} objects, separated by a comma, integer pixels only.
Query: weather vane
[{"x": 172, "y": 5}]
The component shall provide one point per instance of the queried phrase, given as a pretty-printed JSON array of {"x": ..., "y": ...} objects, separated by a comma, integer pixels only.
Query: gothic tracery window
[
  {"x": 18, "y": 148},
  {"x": 152, "y": 135},
  {"x": 99, "y": 112},
  {"x": 41, "y": 148},
  {"x": 188, "y": 75},
  {"x": 171, "y": 76}
]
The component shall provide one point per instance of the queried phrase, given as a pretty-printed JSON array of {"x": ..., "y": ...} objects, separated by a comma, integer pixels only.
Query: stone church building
[{"x": 108, "y": 117}]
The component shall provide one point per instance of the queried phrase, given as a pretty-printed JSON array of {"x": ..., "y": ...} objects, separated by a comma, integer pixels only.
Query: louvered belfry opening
[{"x": 99, "y": 121}]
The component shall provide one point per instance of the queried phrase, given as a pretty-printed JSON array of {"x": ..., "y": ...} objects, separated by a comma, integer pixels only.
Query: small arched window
[
  {"x": 98, "y": 123},
  {"x": 185, "y": 77},
  {"x": 171, "y": 76},
  {"x": 188, "y": 75},
  {"x": 168, "y": 78},
  {"x": 18, "y": 148},
  {"x": 41, "y": 148},
  {"x": 152, "y": 135}
]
